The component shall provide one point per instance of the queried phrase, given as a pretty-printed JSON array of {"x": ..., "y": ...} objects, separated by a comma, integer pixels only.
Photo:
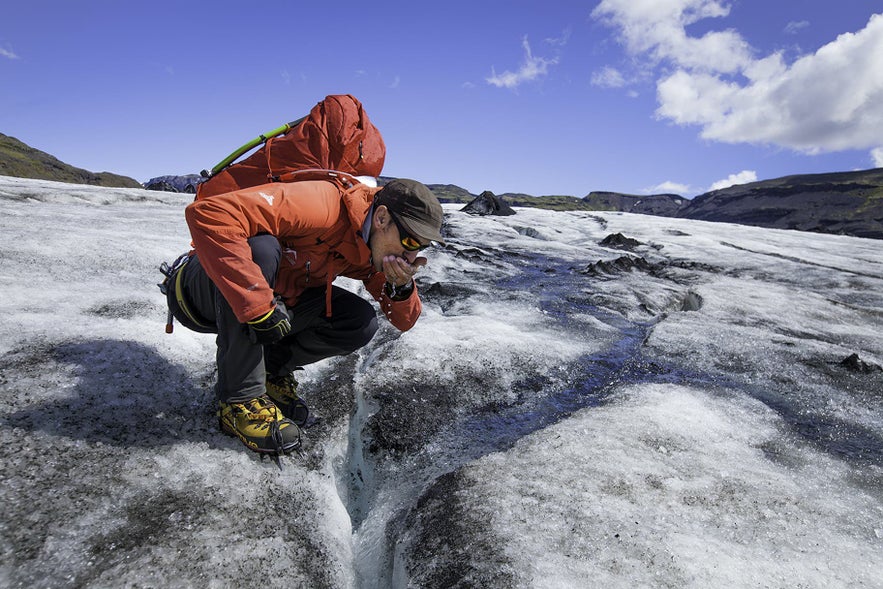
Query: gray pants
[{"x": 243, "y": 365}]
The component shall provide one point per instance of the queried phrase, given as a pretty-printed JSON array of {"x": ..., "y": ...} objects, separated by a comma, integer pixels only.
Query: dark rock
[
  {"x": 457, "y": 291},
  {"x": 618, "y": 266},
  {"x": 620, "y": 241},
  {"x": 186, "y": 183},
  {"x": 488, "y": 204},
  {"x": 856, "y": 364},
  {"x": 161, "y": 186},
  {"x": 474, "y": 254},
  {"x": 446, "y": 295},
  {"x": 528, "y": 232}
]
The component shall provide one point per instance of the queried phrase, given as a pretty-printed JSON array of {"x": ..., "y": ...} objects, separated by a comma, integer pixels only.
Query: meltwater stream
[
  {"x": 383, "y": 488},
  {"x": 380, "y": 494}
]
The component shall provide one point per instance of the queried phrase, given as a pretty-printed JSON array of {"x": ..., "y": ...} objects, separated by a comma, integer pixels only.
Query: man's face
[{"x": 386, "y": 239}]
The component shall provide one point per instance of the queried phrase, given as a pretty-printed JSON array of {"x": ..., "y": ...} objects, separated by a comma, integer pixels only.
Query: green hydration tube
[{"x": 252, "y": 144}]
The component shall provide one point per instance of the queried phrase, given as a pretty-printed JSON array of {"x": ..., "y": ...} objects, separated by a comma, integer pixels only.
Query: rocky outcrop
[
  {"x": 618, "y": 266},
  {"x": 186, "y": 183},
  {"x": 161, "y": 186},
  {"x": 619, "y": 241},
  {"x": 856, "y": 364},
  {"x": 488, "y": 203}
]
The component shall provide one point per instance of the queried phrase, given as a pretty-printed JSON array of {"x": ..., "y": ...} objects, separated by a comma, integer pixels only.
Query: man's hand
[
  {"x": 400, "y": 272},
  {"x": 270, "y": 328}
]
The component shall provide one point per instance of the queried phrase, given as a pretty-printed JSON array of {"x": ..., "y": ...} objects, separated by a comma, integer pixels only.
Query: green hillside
[{"x": 22, "y": 161}]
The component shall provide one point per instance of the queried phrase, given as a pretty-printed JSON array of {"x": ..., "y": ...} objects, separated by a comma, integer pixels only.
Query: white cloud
[
  {"x": 658, "y": 30},
  {"x": 826, "y": 101},
  {"x": 608, "y": 77},
  {"x": 743, "y": 177},
  {"x": 877, "y": 156},
  {"x": 562, "y": 40},
  {"x": 794, "y": 27},
  {"x": 8, "y": 53},
  {"x": 531, "y": 69},
  {"x": 668, "y": 187}
]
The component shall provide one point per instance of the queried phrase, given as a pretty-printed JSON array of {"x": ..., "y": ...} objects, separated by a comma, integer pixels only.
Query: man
[{"x": 260, "y": 276}]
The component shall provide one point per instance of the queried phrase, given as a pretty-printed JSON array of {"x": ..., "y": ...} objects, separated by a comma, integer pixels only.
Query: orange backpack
[{"x": 336, "y": 136}]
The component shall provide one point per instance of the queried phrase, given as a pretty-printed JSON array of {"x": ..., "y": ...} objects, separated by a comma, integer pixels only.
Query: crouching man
[{"x": 260, "y": 277}]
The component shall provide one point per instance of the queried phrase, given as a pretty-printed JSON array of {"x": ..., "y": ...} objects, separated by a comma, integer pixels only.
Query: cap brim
[{"x": 421, "y": 230}]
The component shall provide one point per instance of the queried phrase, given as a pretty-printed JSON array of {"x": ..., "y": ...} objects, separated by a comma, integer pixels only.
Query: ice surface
[
  {"x": 670, "y": 486},
  {"x": 549, "y": 422}
]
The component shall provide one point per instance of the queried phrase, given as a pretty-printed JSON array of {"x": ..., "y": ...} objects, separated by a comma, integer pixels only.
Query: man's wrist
[{"x": 398, "y": 293}]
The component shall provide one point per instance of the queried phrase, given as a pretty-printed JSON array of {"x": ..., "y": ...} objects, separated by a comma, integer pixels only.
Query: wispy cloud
[
  {"x": 827, "y": 101},
  {"x": 743, "y": 177},
  {"x": 8, "y": 53},
  {"x": 877, "y": 157},
  {"x": 668, "y": 187},
  {"x": 608, "y": 77},
  {"x": 795, "y": 26},
  {"x": 532, "y": 68},
  {"x": 562, "y": 40}
]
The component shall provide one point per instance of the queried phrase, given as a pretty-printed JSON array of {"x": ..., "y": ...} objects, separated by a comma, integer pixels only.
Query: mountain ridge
[
  {"x": 834, "y": 202},
  {"x": 849, "y": 203},
  {"x": 20, "y": 160}
]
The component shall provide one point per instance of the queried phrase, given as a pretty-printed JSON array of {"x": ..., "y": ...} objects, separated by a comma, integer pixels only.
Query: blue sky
[{"x": 550, "y": 97}]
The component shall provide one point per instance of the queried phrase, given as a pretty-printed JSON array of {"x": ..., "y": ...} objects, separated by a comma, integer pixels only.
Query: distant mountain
[
  {"x": 186, "y": 183},
  {"x": 850, "y": 203},
  {"x": 452, "y": 193},
  {"x": 555, "y": 202},
  {"x": 19, "y": 160},
  {"x": 663, "y": 205}
]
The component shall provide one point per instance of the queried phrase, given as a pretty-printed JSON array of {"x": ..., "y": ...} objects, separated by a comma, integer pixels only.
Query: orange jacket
[{"x": 319, "y": 226}]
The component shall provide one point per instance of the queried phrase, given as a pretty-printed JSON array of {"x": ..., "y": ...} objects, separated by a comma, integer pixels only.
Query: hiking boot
[
  {"x": 282, "y": 390},
  {"x": 260, "y": 425}
]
